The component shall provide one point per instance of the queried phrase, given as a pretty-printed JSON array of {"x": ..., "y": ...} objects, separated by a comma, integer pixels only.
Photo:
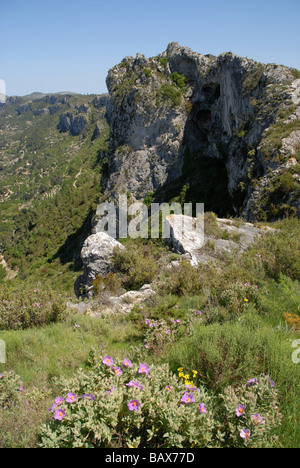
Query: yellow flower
[
  {"x": 246, "y": 300},
  {"x": 194, "y": 372}
]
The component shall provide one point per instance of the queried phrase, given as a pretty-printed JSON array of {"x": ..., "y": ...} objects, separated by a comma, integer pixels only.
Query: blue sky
[{"x": 65, "y": 45}]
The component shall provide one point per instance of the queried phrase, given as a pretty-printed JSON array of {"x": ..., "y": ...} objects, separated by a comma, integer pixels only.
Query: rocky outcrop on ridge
[{"x": 207, "y": 125}]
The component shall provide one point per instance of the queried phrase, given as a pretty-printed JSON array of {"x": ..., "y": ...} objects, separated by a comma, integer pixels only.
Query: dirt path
[
  {"x": 76, "y": 177},
  {"x": 10, "y": 274}
]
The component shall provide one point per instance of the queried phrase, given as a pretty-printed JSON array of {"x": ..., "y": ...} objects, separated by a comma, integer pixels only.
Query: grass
[
  {"x": 231, "y": 341},
  {"x": 39, "y": 354}
]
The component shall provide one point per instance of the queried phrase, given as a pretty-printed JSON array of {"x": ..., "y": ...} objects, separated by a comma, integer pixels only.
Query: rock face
[
  {"x": 96, "y": 254},
  {"x": 74, "y": 124},
  {"x": 184, "y": 238},
  {"x": 207, "y": 125}
]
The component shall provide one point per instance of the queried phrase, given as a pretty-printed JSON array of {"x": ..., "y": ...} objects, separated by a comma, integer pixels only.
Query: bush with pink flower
[
  {"x": 251, "y": 414},
  {"x": 144, "y": 405}
]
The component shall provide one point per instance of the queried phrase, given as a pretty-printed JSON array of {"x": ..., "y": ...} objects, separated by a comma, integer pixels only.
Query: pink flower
[
  {"x": 59, "y": 414},
  {"x": 71, "y": 398},
  {"x": 240, "y": 410},
  {"x": 144, "y": 369},
  {"x": 188, "y": 398},
  {"x": 127, "y": 363},
  {"x": 58, "y": 401},
  {"x": 133, "y": 405},
  {"x": 108, "y": 361},
  {"x": 245, "y": 434},
  {"x": 118, "y": 370},
  {"x": 203, "y": 410}
]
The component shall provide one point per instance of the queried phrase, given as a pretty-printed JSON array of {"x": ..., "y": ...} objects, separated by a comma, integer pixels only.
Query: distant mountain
[
  {"x": 182, "y": 126},
  {"x": 50, "y": 175}
]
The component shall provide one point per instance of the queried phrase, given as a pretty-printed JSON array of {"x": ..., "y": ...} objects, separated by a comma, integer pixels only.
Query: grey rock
[
  {"x": 194, "y": 244},
  {"x": 222, "y": 113},
  {"x": 96, "y": 255}
]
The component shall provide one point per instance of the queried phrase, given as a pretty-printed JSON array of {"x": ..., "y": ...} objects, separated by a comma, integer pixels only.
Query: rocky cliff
[{"x": 197, "y": 128}]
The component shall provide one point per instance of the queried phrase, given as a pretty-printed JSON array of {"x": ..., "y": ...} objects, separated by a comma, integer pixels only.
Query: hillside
[
  {"x": 220, "y": 130},
  {"x": 153, "y": 343},
  {"x": 50, "y": 176}
]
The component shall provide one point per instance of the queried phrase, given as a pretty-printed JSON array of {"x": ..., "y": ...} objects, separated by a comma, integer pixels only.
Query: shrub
[
  {"x": 178, "y": 79},
  {"x": 111, "y": 283},
  {"x": 251, "y": 414},
  {"x": 129, "y": 405},
  {"x": 184, "y": 280},
  {"x": 237, "y": 298},
  {"x": 224, "y": 353},
  {"x": 21, "y": 308},
  {"x": 10, "y": 388},
  {"x": 138, "y": 264},
  {"x": 170, "y": 92},
  {"x": 126, "y": 405}
]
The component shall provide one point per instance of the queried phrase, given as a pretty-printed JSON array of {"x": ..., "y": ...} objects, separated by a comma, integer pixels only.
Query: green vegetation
[
  {"x": 215, "y": 328},
  {"x": 50, "y": 187}
]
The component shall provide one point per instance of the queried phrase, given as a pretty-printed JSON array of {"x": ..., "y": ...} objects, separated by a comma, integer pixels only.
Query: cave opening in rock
[
  {"x": 211, "y": 92},
  {"x": 204, "y": 167},
  {"x": 203, "y": 117}
]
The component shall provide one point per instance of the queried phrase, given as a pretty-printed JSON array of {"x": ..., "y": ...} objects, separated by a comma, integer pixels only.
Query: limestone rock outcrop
[
  {"x": 201, "y": 248},
  {"x": 183, "y": 120},
  {"x": 96, "y": 255}
]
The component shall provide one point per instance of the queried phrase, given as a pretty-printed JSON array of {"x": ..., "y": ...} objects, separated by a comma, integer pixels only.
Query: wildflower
[
  {"x": 127, "y": 363},
  {"x": 108, "y": 361},
  {"x": 59, "y": 414},
  {"x": 199, "y": 312},
  {"x": 71, "y": 398},
  {"x": 245, "y": 434},
  {"x": 135, "y": 384},
  {"x": 21, "y": 388},
  {"x": 118, "y": 370},
  {"x": 188, "y": 398},
  {"x": 89, "y": 396},
  {"x": 76, "y": 325},
  {"x": 37, "y": 304},
  {"x": 246, "y": 300},
  {"x": 272, "y": 383},
  {"x": 168, "y": 387},
  {"x": 144, "y": 369},
  {"x": 251, "y": 382},
  {"x": 133, "y": 405},
  {"x": 168, "y": 331},
  {"x": 240, "y": 410},
  {"x": 203, "y": 409},
  {"x": 190, "y": 386},
  {"x": 110, "y": 390},
  {"x": 257, "y": 418},
  {"x": 58, "y": 401},
  {"x": 178, "y": 320}
]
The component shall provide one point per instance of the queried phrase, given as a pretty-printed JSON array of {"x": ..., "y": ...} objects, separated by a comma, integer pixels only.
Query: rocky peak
[{"x": 187, "y": 119}]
